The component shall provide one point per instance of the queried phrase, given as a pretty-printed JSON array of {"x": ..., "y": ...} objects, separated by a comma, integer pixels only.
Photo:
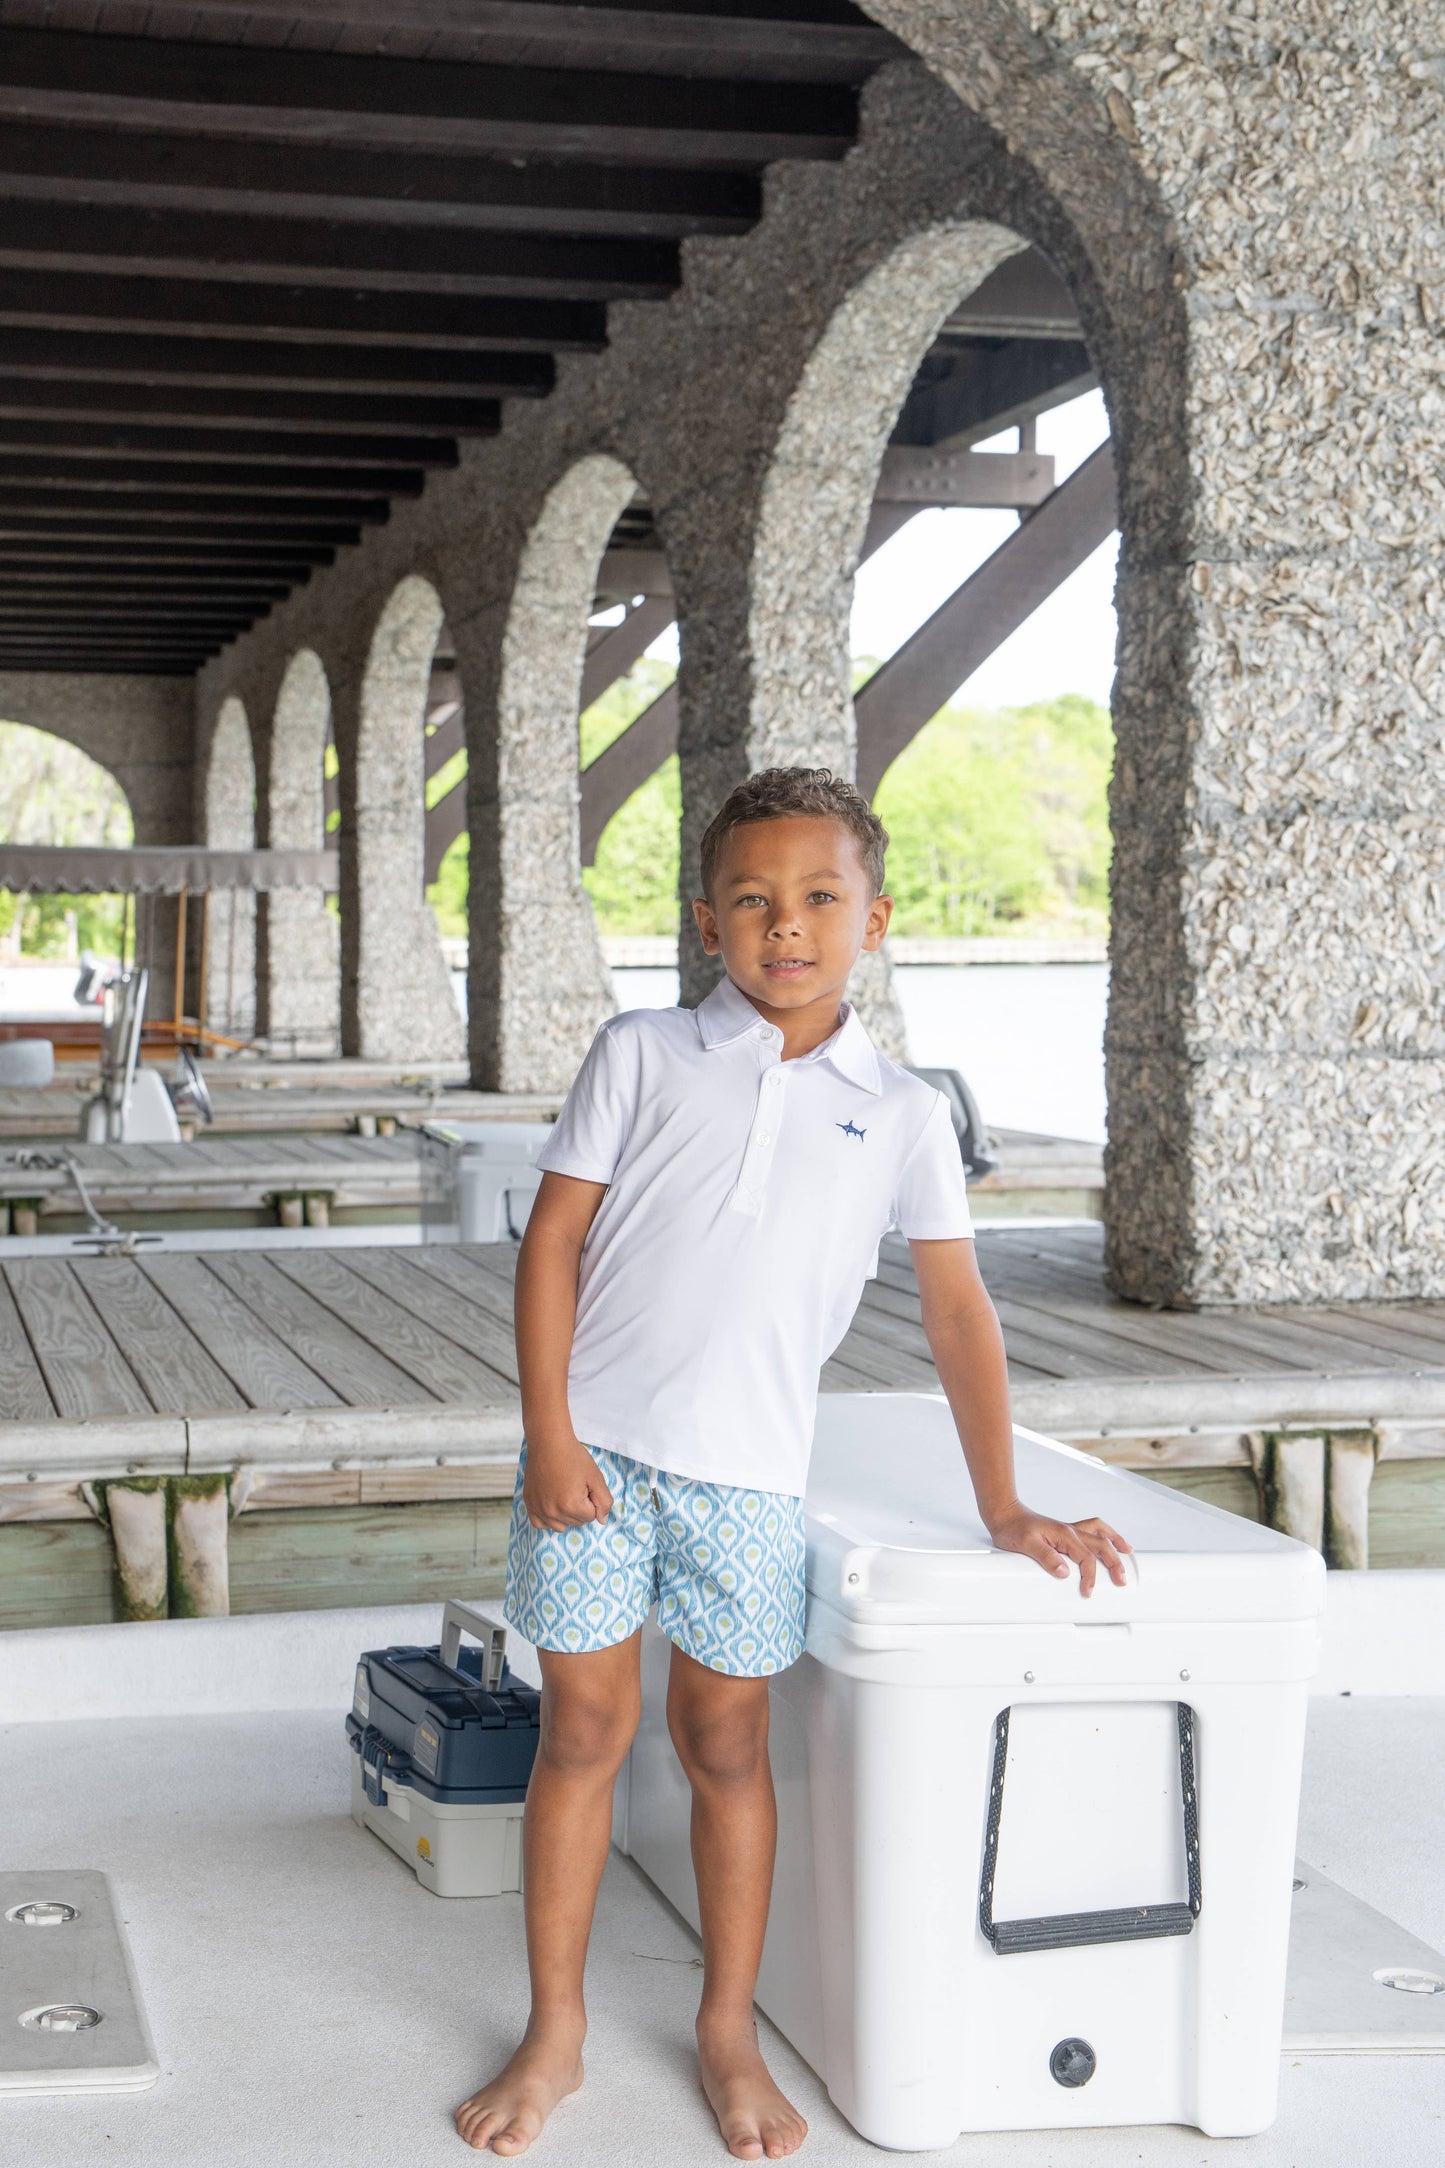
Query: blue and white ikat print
[{"x": 724, "y": 1567}]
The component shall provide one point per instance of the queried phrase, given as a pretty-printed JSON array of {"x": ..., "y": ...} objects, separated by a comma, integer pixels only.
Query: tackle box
[{"x": 442, "y": 1741}]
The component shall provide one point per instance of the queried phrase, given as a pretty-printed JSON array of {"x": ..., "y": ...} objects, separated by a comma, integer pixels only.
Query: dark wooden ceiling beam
[
  {"x": 975, "y": 390},
  {"x": 38, "y": 584},
  {"x": 97, "y": 300},
  {"x": 87, "y": 625},
  {"x": 276, "y": 364},
  {"x": 121, "y": 518},
  {"x": 815, "y": 40},
  {"x": 1023, "y": 299},
  {"x": 128, "y": 239},
  {"x": 104, "y": 666},
  {"x": 118, "y": 662},
  {"x": 257, "y": 95},
  {"x": 397, "y": 189},
  {"x": 148, "y": 441},
  {"x": 181, "y": 636},
  {"x": 169, "y": 480},
  {"x": 78, "y": 641},
  {"x": 285, "y": 559},
  {"x": 137, "y": 600},
  {"x": 239, "y": 414}
]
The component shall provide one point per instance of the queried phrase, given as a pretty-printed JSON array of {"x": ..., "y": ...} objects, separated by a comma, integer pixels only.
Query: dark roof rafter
[
  {"x": 99, "y": 403},
  {"x": 277, "y": 364},
  {"x": 66, "y": 237},
  {"x": 129, "y": 441},
  {"x": 92, "y": 300},
  {"x": 396, "y": 189},
  {"x": 516, "y": 111},
  {"x": 262, "y": 267},
  {"x": 773, "y": 40}
]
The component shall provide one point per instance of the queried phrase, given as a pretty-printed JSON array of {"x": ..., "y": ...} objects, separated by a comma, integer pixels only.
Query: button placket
[{"x": 763, "y": 1136}]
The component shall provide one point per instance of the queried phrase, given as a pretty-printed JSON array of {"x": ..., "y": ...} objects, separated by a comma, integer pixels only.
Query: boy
[{"x": 716, "y": 1187}]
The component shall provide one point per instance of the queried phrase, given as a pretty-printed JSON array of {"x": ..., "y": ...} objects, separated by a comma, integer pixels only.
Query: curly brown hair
[{"x": 778, "y": 793}]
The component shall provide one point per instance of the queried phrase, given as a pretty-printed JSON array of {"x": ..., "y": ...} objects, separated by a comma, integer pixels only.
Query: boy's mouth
[{"x": 788, "y": 967}]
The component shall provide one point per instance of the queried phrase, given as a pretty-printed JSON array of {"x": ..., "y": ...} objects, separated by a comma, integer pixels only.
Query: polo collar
[{"x": 727, "y": 1015}]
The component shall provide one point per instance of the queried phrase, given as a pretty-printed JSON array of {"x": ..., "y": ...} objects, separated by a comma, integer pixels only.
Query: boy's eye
[
  {"x": 822, "y": 895},
  {"x": 743, "y": 902}
]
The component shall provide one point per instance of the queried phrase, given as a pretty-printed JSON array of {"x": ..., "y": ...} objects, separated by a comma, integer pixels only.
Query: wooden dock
[
  {"x": 346, "y": 1385},
  {"x": 263, "y": 1105},
  {"x": 256, "y": 1175}
]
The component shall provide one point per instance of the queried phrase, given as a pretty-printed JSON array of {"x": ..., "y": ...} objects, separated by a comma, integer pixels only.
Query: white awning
[{"x": 151, "y": 869}]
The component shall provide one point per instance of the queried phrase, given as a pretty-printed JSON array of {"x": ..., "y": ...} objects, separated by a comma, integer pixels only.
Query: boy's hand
[
  {"x": 563, "y": 1486},
  {"x": 1051, "y": 1544}
]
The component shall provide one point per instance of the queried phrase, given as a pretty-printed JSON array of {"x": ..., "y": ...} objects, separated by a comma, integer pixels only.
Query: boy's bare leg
[
  {"x": 590, "y": 1707},
  {"x": 719, "y": 1726}
]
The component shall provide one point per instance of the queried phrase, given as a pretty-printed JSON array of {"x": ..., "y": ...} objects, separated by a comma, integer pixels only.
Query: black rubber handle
[{"x": 1124, "y": 1923}]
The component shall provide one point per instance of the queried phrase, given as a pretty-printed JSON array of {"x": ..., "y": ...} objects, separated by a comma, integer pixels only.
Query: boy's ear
[
  {"x": 706, "y": 918},
  {"x": 875, "y": 926}
]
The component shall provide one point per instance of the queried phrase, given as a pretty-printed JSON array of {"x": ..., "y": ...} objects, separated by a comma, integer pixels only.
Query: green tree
[
  {"x": 52, "y": 793},
  {"x": 633, "y": 883},
  {"x": 999, "y": 821}
]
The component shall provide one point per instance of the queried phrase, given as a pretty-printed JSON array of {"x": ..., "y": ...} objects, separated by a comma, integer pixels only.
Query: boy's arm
[
  {"x": 968, "y": 1353},
  {"x": 563, "y": 1484}
]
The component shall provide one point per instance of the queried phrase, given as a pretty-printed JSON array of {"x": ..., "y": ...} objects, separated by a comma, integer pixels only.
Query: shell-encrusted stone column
[
  {"x": 537, "y": 985},
  {"x": 1276, "y": 1039},
  {"x": 297, "y": 937},
  {"x": 397, "y": 1001},
  {"x": 230, "y": 825}
]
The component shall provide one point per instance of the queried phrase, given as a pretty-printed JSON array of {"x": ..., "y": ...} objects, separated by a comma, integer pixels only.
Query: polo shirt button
[{"x": 763, "y": 1137}]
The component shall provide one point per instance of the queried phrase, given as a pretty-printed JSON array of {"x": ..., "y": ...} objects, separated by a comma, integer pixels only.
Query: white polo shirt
[{"x": 746, "y": 1198}]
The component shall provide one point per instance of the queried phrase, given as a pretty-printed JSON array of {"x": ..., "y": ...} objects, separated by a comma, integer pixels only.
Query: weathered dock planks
[{"x": 359, "y": 1397}]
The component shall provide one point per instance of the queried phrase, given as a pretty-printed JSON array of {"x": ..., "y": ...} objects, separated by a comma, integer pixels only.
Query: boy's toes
[{"x": 783, "y": 2136}]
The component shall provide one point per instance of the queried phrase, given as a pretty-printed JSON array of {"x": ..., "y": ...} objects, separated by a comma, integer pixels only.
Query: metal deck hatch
[{"x": 70, "y": 2011}]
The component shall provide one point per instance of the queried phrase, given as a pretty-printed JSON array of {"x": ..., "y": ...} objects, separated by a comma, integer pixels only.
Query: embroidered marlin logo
[{"x": 849, "y": 1130}]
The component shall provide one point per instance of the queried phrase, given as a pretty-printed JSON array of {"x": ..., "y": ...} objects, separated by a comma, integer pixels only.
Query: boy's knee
[
  {"x": 580, "y": 1733},
  {"x": 721, "y": 1746}
]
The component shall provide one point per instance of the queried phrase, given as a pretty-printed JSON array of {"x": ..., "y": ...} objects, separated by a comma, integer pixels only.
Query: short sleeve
[
  {"x": 596, "y": 1117},
  {"x": 931, "y": 1200}
]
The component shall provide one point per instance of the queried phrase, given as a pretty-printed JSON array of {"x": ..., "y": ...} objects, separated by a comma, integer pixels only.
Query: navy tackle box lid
[{"x": 456, "y": 1724}]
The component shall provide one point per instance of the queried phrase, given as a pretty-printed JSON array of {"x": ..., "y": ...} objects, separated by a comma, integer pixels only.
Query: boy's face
[{"x": 791, "y": 908}]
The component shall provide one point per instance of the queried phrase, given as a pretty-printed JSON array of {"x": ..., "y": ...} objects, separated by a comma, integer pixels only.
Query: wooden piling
[
  {"x": 135, "y": 1510},
  {"x": 199, "y": 1519}
]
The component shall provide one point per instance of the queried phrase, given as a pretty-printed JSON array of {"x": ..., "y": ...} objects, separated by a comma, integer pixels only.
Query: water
[
  {"x": 44, "y": 992},
  {"x": 1028, "y": 1037}
]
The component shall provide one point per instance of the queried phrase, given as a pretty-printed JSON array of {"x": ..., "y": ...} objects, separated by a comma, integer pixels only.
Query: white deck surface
[{"x": 312, "y": 2005}]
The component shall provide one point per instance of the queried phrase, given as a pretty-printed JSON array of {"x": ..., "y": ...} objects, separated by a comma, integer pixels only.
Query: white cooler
[{"x": 1034, "y": 1853}]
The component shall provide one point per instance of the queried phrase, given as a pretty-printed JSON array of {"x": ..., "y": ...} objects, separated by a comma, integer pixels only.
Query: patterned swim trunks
[{"x": 723, "y": 1566}]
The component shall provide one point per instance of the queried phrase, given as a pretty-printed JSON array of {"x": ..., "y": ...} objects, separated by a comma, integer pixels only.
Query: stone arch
[
  {"x": 397, "y": 1002},
  {"x": 229, "y": 814},
  {"x": 814, "y": 508},
  {"x": 538, "y": 987},
  {"x": 821, "y": 480},
  {"x": 298, "y": 990}
]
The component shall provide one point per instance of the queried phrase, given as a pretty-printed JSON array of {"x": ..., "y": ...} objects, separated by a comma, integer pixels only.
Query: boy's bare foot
[
  {"x": 758, "y": 2122},
  {"x": 509, "y": 2113}
]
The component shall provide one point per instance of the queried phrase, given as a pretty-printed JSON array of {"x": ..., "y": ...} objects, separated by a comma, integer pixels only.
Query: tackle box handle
[{"x": 463, "y": 1618}]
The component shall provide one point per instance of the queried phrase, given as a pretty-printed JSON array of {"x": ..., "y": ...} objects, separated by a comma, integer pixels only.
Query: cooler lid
[{"x": 893, "y": 1530}]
